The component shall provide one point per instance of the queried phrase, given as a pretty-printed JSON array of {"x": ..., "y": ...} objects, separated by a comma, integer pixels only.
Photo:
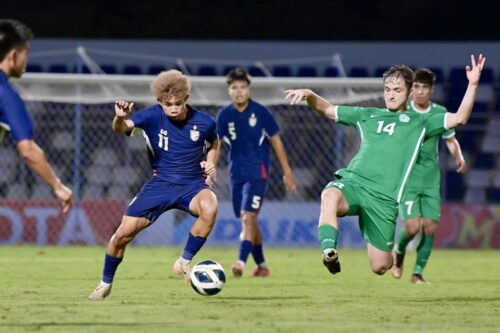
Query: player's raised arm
[
  {"x": 120, "y": 122},
  {"x": 473, "y": 72},
  {"x": 316, "y": 102}
]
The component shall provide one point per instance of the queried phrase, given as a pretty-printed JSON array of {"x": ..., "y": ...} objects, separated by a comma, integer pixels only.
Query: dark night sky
[{"x": 260, "y": 19}]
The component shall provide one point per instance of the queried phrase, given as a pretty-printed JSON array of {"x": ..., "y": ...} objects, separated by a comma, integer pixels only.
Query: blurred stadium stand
[
  {"x": 307, "y": 71},
  {"x": 359, "y": 72},
  {"x": 282, "y": 71},
  {"x": 207, "y": 70},
  {"x": 331, "y": 71},
  {"x": 256, "y": 71}
]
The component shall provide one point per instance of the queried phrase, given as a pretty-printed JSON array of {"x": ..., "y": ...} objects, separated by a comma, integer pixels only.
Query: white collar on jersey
[{"x": 420, "y": 111}]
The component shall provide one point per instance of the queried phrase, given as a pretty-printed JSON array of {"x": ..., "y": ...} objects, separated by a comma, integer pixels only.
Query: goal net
[{"x": 73, "y": 113}]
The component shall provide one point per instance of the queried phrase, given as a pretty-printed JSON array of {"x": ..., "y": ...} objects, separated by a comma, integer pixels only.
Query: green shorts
[
  {"x": 421, "y": 202},
  {"x": 377, "y": 213}
]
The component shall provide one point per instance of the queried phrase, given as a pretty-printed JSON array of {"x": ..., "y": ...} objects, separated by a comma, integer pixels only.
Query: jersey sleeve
[
  {"x": 448, "y": 133},
  {"x": 270, "y": 124},
  {"x": 17, "y": 117},
  {"x": 141, "y": 119},
  {"x": 348, "y": 115},
  {"x": 435, "y": 124}
]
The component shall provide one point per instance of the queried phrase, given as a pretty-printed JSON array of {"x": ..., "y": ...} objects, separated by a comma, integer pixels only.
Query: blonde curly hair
[{"x": 171, "y": 83}]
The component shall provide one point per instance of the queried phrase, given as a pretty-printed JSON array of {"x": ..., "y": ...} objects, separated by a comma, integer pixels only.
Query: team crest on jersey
[
  {"x": 194, "y": 134},
  {"x": 252, "y": 120},
  {"x": 404, "y": 118}
]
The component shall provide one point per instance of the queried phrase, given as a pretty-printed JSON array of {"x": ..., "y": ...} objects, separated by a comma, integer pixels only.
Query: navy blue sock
[
  {"x": 245, "y": 249},
  {"x": 110, "y": 266},
  {"x": 193, "y": 245},
  {"x": 258, "y": 254}
]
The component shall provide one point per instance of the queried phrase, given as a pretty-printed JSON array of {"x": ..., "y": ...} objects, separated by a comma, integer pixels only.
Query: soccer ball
[{"x": 207, "y": 277}]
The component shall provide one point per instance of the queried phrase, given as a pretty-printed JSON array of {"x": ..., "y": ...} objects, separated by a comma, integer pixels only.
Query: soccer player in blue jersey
[
  {"x": 178, "y": 137},
  {"x": 14, "y": 118},
  {"x": 248, "y": 128}
]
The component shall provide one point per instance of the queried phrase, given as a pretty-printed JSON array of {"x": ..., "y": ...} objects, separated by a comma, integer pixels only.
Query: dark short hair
[
  {"x": 238, "y": 74},
  {"x": 425, "y": 75},
  {"x": 13, "y": 34},
  {"x": 400, "y": 71}
]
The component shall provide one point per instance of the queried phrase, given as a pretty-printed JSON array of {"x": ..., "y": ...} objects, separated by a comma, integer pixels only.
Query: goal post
[{"x": 102, "y": 88}]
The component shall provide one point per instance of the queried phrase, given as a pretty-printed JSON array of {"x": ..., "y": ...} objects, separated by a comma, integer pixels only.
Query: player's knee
[
  {"x": 248, "y": 220},
  {"x": 381, "y": 263},
  {"x": 429, "y": 227},
  {"x": 380, "y": 268},
  {"x": 208, "y": 210},
  {"x": 412, "y": 227},
  {"x": 120, "y": 239}
]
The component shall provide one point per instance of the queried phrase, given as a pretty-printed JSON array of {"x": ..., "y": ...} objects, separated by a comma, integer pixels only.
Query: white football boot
[{"x": 102, "y": 291}]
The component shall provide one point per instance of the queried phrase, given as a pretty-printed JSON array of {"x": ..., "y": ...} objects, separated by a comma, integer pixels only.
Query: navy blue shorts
[
  {"x": 158, "y": 196},
  {"x": 248, "y": 195}
]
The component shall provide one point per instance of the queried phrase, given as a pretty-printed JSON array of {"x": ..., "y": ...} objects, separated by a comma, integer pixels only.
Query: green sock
[
  {"x": 402, "y": 241},
  {"x": 423, "y": 253},
  {"x": 328, "y": 236}
]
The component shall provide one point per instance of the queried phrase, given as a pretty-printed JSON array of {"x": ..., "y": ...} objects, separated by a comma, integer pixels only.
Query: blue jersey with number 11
[
  {"x": 176, "y": 149},
  {"x": 247, "y": 134}
]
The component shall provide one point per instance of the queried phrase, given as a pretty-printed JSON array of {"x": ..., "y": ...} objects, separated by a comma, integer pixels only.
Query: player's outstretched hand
[
  {"x": 289, "y": 180},
  {"x": 461, "y": 165},
  {"x": 123, "y": 108},
  {"x": 297, "y": 95},
  {"x": 64, "y": 194},
  {"x": 474, "y": 71}
]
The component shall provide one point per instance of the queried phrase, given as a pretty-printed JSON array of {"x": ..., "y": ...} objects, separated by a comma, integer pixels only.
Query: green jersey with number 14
[
  {"x": 390, "y": 145},
  {"x": 426, "y": 173}
]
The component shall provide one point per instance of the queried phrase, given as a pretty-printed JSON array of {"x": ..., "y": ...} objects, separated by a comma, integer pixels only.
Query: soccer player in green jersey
[
  {"x": 373, "y": 183},
  {"x": 420, "y": 207}
]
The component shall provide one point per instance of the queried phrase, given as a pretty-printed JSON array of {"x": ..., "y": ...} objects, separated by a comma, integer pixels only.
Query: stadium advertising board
[{"x": 283, "y": 225}]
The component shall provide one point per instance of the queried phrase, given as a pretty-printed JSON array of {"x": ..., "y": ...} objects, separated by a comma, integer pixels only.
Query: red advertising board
[
  {"x": 42, "y": 222},
  {"x": 469, "y": 226}
]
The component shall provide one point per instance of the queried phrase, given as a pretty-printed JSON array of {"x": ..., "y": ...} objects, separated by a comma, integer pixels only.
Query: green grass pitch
[{"x": 45, "y": 289}]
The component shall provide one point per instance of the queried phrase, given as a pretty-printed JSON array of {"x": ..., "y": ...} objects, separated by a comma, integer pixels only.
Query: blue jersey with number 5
[
  {"x": 247, "y": 134},
  {"x": 176, "y": 149}
]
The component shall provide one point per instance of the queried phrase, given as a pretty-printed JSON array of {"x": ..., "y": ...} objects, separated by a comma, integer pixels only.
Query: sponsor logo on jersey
[
  {"x": 194, "y": 134},
  {"x": 404, "y": 118},
  {"x": 252, "y": 121}
]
